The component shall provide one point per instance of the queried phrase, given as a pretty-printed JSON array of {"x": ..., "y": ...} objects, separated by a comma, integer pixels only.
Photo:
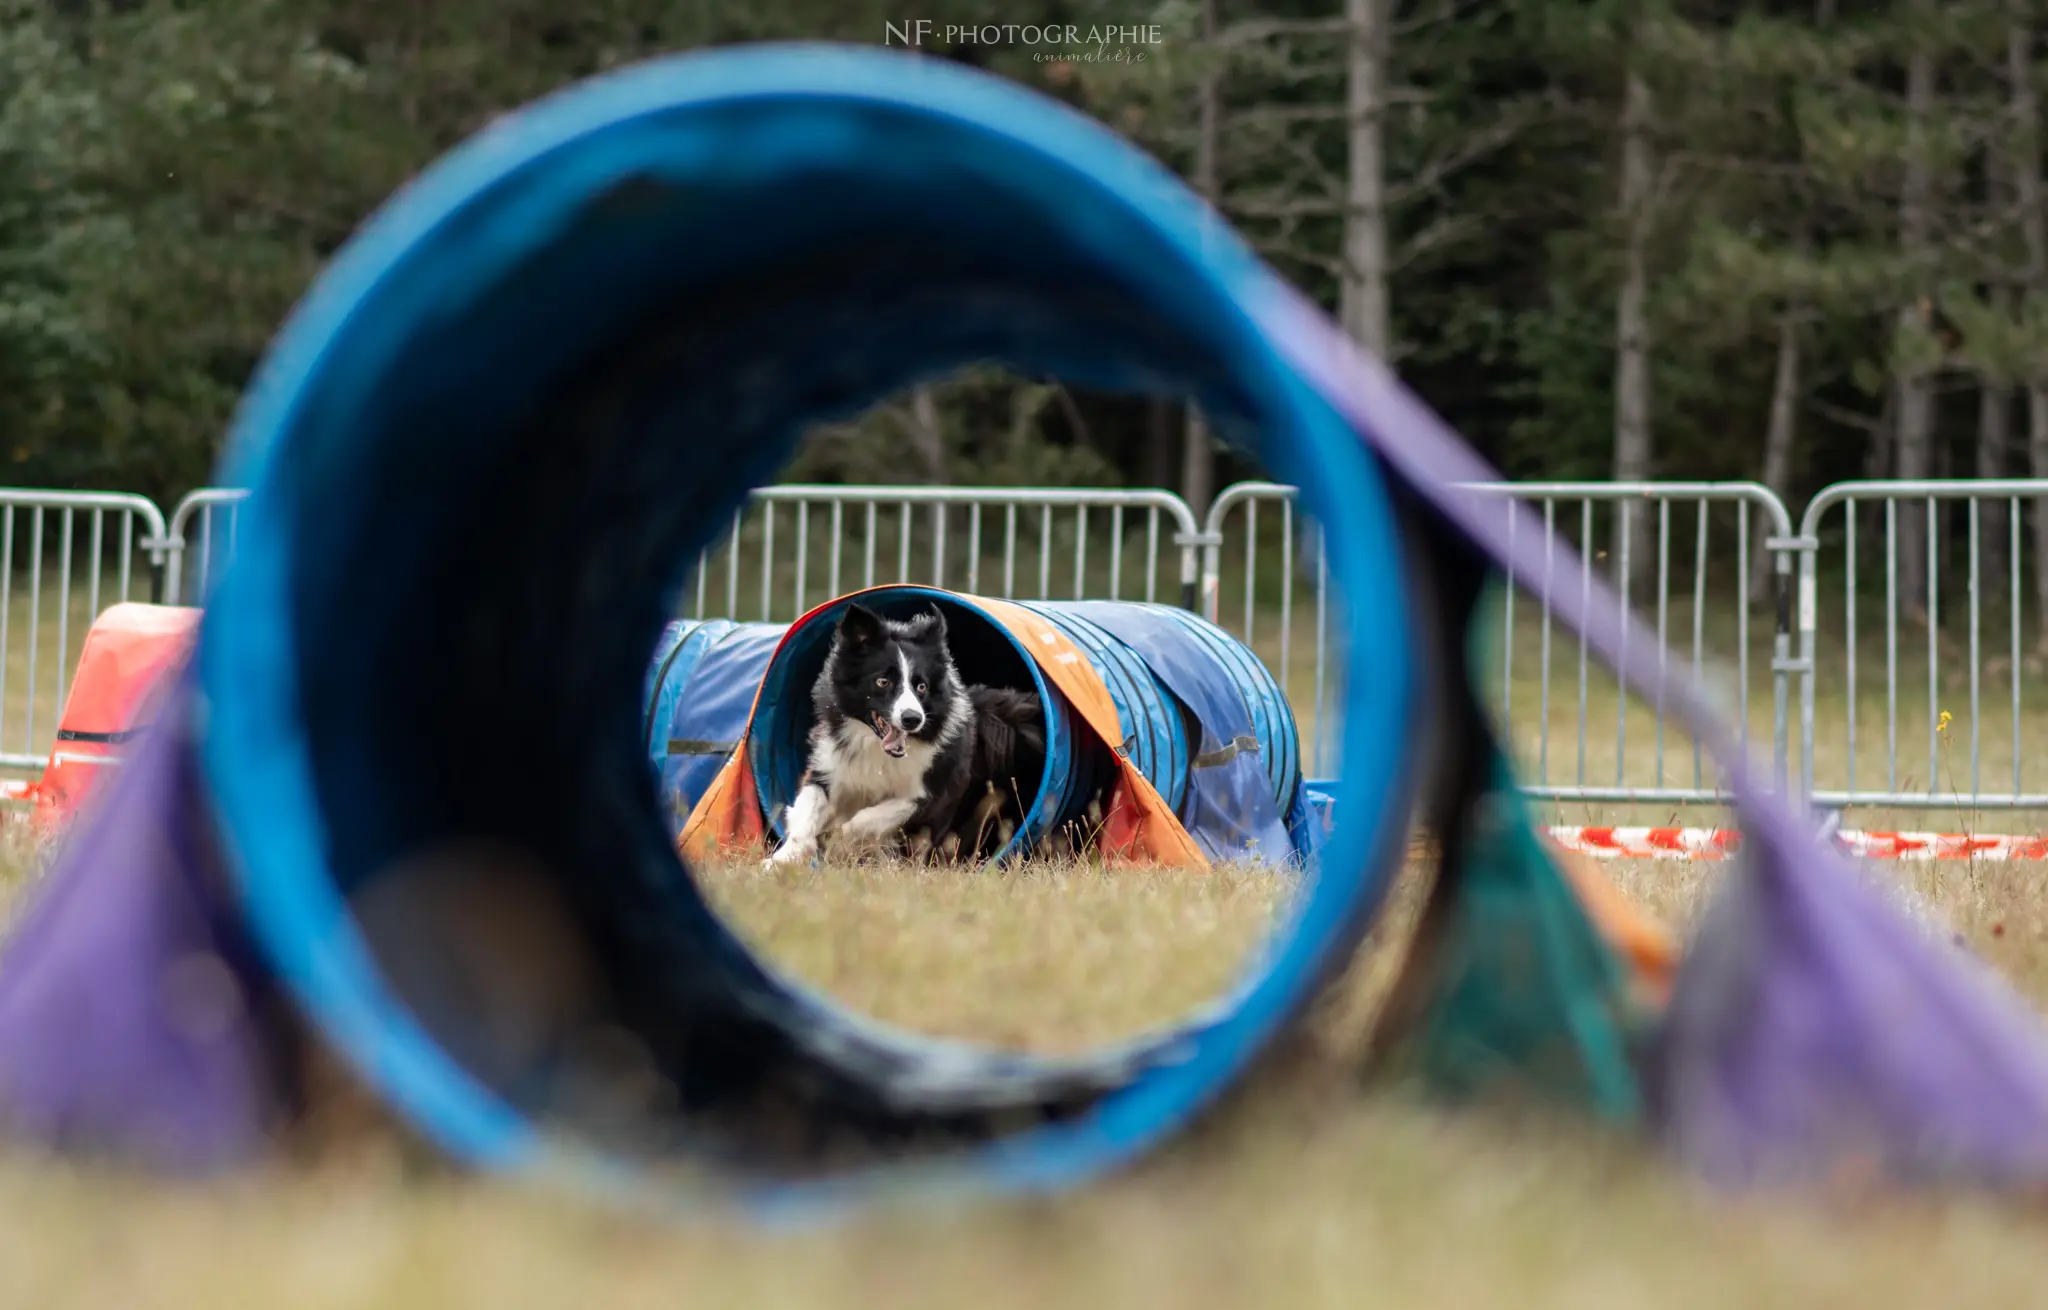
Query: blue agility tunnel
[
  {"x": 483, "y": 454},
  {"x": 1201, "y": 717},
  {"x": 603, "y": 321}
]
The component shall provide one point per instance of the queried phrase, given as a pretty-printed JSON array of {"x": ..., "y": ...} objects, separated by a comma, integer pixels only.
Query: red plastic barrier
[{"x": 130, "y": 650}]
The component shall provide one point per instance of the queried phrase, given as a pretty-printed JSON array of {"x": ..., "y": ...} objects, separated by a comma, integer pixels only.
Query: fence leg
[
  {"x": 1781, "y": 666},
  {"x": 1806, "y": 547},
  {"x": 1202, "y": 586},
  {"x": 163, "y": 577}
]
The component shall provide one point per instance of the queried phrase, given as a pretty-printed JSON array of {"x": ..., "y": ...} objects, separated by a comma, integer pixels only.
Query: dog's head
[{"x": 896, "y": 677}]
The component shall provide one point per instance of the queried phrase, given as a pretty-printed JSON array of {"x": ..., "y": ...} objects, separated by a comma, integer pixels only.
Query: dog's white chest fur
[
  {"x": 872, "y": 792},
  {"x": 864, "y": 774}
]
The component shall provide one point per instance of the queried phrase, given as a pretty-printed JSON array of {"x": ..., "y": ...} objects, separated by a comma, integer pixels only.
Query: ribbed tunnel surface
[{"x": 1156, "y": 727}]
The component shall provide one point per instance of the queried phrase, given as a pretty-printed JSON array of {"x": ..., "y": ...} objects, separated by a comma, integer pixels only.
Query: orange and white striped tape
[
  {"x": 1718, "y": 843},
  {"x": 1606, "y": 843}
]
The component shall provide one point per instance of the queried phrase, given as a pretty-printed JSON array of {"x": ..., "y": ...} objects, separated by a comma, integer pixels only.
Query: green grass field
[{"x": 1311, "y": 1193}]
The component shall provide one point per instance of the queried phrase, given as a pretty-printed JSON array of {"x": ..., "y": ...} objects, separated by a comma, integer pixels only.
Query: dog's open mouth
[{"x": 891, "y": 735}]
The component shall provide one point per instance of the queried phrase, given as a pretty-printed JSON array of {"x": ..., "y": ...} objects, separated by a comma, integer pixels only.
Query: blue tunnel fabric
[
  {"x": 682, "y": 645},
  {"x": 1245, "y": 771},
  {"x": 702, "y": 710},
  {"x": 604, "y": 320},
  {"x": 1156, "y": 732}
]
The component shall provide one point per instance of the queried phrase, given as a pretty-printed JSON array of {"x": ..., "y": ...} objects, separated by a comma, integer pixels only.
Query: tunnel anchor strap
[
  {"x": 101, "y": 738},
  {"x": 1242, "y": 744},
  {"x": 695, "y": 746}
]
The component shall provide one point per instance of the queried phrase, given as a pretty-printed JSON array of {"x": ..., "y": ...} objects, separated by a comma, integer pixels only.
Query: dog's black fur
[
  {"x": 904, "y": 752},
  {"x": 1003, "y": 769}
]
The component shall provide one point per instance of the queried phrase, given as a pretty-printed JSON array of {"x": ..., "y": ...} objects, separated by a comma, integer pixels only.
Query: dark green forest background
[{"x": 1801, "y": 242}]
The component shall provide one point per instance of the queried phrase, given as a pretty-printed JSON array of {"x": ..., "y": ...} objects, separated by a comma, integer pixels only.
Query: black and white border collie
[{"x": 904, "y": 754}]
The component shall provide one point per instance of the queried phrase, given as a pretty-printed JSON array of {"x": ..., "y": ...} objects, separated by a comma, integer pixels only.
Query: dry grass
[
  {"x": 1381, "y": 1206},
  {"x": 1296, "y": 1201},
  {"x": 1052, "y": 957}
]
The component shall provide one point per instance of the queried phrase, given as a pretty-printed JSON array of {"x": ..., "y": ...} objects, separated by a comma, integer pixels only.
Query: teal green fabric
[
  {"x": 1511, "y": 990},
  {"x": 1524, "y": 995}
]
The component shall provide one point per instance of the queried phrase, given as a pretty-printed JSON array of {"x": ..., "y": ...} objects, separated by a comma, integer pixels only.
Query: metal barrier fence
[
  {"x": 1314, "y": 693},
  {"x": 1937, "y": 538},
  {"x": 1144, "y": 543},
  {"x": 1014, "y": 543},
  {"x": 1711, "y": 565},
  {"x": 64, "y": 556},
  {"x": 1719, "y": 523},
  {"x": 1706, "y": 514},
  {"x": 196, "y": 552}
]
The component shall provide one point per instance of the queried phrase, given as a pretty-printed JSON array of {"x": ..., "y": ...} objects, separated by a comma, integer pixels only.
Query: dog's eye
[
  {"x": 920, "y": 689},
  {"x": 882, "y": 683}
]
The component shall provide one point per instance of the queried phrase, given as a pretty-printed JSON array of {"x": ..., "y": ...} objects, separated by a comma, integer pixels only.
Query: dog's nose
[{"x": 912, "y": 720}]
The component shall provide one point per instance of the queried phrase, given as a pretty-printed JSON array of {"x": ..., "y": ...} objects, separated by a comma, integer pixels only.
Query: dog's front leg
[
  {"x": 803, "y": 825},
  {"x": 880, "y": 821}
]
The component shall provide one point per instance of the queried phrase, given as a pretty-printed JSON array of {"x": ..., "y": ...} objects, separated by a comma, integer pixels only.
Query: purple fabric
[
  {"x": 1815, "y": 1030},
  {"x": 126, "y": 993}
]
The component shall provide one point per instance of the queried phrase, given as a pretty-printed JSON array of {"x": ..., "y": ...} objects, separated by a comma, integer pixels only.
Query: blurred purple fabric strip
[
  {"x": 126, "y": 991},
  {"x": 1815, "y": 1031}
]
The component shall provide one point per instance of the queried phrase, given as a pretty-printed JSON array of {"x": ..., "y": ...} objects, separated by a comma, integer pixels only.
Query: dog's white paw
[{"x": 788, "y": 854}]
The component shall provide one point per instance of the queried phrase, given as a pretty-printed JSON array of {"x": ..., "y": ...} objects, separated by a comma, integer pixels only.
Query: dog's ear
[
  {"x": 861, "y": 626},
  {"x": 936, "y": 632}
]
